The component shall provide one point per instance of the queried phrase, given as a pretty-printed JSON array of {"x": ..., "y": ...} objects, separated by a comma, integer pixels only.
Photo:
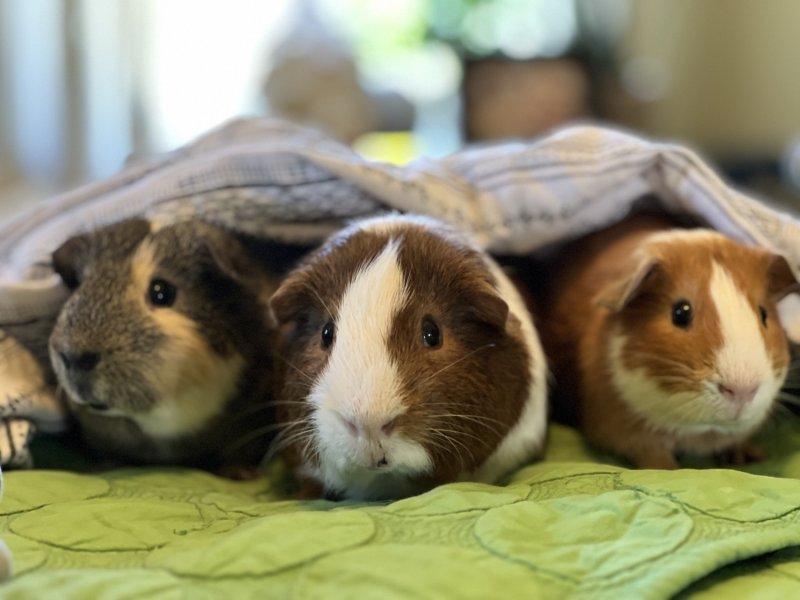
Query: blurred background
[{"x": 87, "y": 84}]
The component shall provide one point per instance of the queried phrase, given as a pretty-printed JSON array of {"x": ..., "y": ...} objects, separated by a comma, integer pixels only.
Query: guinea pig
[
  {"x": 164, "y": 348},
  {"x": 665, "y": 340},
  {"x": 410, "y": 360}
]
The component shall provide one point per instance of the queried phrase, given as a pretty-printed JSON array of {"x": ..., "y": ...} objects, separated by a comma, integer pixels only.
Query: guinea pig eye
[
  {"x": 431, "y": 337},
  {"x": 328, "y": 333},
  {"x": 682, "y": 314},
  {"x": 161, "y": 293},
  {"x": 763, "y": 312}
]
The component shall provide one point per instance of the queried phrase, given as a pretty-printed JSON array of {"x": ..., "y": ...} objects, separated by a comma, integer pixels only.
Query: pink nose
[
  {"x": 375, "y": 431},
  {"x": 738, "y": 394}
]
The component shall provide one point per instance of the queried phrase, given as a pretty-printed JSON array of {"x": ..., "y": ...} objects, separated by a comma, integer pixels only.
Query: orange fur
[{"x": 621, "y": 284}]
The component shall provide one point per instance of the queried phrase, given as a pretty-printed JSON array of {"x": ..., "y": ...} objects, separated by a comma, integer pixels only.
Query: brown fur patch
[
  {"x": 463, "y": 396},
  {"x": 576, "y": 331},
  {"x": 479, "y": 371}
]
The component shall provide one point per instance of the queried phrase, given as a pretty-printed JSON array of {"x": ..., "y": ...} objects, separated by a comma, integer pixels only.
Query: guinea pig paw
[{"x": 742, "y": 454}]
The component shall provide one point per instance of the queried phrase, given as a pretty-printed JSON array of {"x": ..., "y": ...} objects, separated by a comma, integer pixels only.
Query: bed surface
[{"x": 575, "y": 525}]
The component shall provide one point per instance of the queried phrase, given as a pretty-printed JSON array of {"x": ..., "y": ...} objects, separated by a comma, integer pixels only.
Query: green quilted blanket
[{"x": 573, "y": 526}]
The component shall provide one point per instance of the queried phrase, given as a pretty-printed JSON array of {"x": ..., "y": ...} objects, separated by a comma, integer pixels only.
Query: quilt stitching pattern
[{"x": 555, "y": 529}]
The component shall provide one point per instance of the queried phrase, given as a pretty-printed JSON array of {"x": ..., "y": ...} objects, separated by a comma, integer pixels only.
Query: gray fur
[{"x": 221, "y": 289}]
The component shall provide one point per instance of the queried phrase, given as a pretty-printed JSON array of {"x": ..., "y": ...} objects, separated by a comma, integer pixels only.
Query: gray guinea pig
[{"x": 164, "y": 346}]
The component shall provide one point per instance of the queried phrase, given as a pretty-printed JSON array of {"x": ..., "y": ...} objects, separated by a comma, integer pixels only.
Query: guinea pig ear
[
  {"x": 780, "y": 277},
  {"x": 291, "y": 298},
  {"x": 488, "y": 307},
  {"x": 618, "y": 294},
  {"x": 70, "y": 258},
  {"x": 231, "y": 259}
]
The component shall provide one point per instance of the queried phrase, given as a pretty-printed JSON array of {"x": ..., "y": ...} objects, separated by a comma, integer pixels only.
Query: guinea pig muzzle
[
  {"x": 79, "y": 362},
  {"x": 78, "y": 368},
  {"x": 369, "y": 439}
]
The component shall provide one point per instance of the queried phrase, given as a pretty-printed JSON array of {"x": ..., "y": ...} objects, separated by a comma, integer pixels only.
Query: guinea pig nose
[
  {"x": 83, "y": 361},
  {"x": 739, "y": 394},
  {"x": 388, "y": 427},
  {"x": 368, "y": 428},
  {"x": 352, "y": 428}
]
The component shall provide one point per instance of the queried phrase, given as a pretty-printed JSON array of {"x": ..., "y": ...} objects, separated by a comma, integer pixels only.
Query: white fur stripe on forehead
[
  {"x": 360, "y": 372},
  {"x": 742, "y": 359},
  {"x": 685, "y": 235},
  {"x": 375, "y": 294}
]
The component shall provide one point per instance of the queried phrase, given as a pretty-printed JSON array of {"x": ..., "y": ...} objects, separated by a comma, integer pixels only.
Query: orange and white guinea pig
[
  {"x": 410, "y": 360},
  {"x": 665, "y": 340}
]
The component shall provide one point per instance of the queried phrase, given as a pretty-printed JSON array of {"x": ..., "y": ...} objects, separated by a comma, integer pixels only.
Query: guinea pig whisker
[
  {"x": 324, "y": 305},
  {"x": 662, "y": 359},
  {"x": 458, "y": 360},
  {"x": 482, "y": 421},
  {"x": 779, "y": 410},
  {"x": 455, "y": 406},
  {"x": 675, "y": 378},
  {"x": 665, "y": 361},
  {"x": 292, "y": 426},
  {"x": 286, "y": 402},
  {"x": 310, "y": 449},
  {"x": 792, "y": 378},
  {"x": 286, "y": 426},
  {"x": 255, "y": 434},
  {"x": 306, "y": 375},
  {"x": 280, "y": 443},
  {"x": 305, "y": 438},
  {"x": 481, "y": 440},
  {"x": 790, "y": 398},
  {"x": 479, "y": 419},
  {"x": 246, "y": 412},
  {"x": 295, "y": 436},
  {"x": 446, "y": 450},
  {"x": 433, "y": 439},
  {"x": 452, "y": 449},
  {"x": 442, "y": 433}
]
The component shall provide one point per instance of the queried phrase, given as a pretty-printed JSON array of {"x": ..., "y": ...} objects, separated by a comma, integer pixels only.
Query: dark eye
[
  {"x": 682, "y": 314},
  {"x": 161, "y": 293},
  {"x": 763, "y": 312},
  {"x": 328, "y": 332},
  {"x": 430, "y": 333}
]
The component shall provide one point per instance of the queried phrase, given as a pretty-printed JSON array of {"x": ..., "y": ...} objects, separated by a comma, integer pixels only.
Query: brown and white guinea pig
[
  {"x": 410, "y": 360},
  {"x": 665, "y": 340},
  {"x": 164, "y": 346}
]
